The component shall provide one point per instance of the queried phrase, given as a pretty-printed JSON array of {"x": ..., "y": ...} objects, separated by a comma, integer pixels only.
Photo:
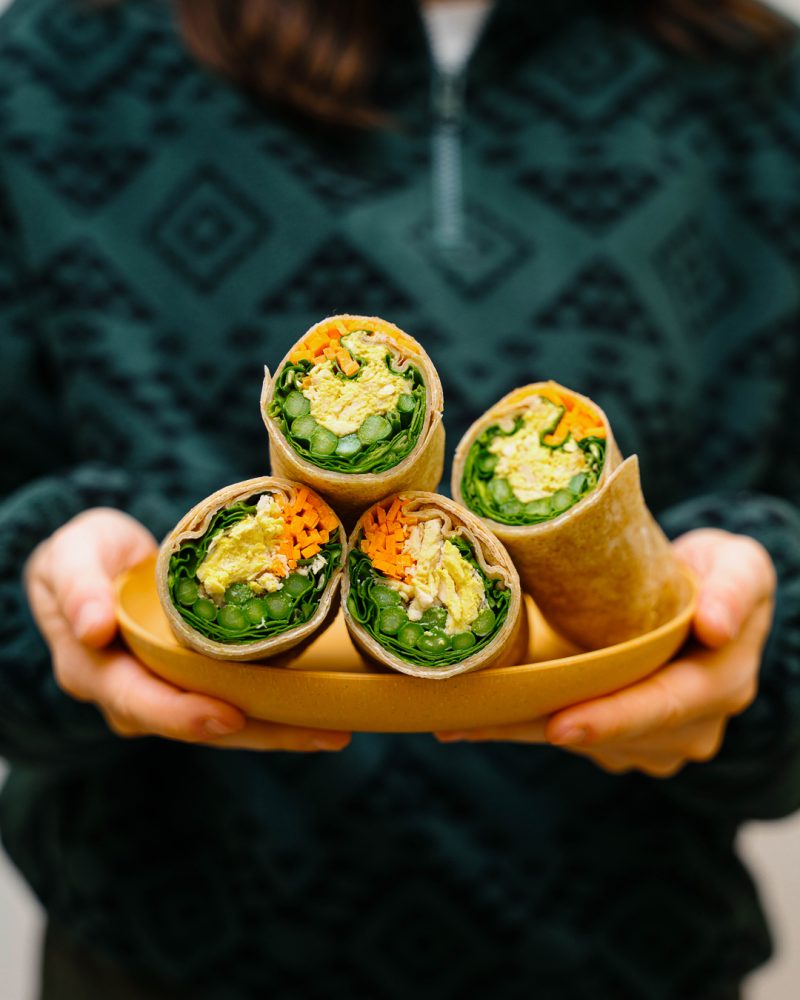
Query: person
[{"x": 604, "y": 195}]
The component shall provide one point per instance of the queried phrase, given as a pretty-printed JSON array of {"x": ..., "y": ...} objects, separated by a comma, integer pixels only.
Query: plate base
[{"x": 329, "y": 685}]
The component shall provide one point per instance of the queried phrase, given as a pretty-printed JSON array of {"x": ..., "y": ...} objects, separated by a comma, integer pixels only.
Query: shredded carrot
[
  {"x": 386, "y": 530},
  {"x": 577, "y": 418},
  {"x": 347, "y": 362},
  {"x": 317, "y": 345},
  {"x": 325, "y": 345},
  {"x": 308, "y": 525}
]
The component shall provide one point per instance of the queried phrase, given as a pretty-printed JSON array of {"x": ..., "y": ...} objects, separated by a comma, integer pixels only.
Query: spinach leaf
[
  {"x": 376, "y": 456},
  {"x": 184, "y": 564},
  {"x": 489, "y": 496},
  {"x": 366, "y": 608}
]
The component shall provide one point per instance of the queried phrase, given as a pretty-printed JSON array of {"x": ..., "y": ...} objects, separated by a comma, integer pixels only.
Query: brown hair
[{"x": 316, "y": 57}]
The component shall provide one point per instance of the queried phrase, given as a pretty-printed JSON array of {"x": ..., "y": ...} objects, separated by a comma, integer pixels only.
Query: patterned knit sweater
[{"x": 589, "y": 207}]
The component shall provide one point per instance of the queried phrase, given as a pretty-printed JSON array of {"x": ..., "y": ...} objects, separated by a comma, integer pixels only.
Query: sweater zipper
[{"x": 446, "y": 159}]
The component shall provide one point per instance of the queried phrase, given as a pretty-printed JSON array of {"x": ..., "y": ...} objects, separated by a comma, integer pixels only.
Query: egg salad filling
[
  {"x": 349, "y": 402},
  {"x": 418, "y": 589},
  {"x": 542, "y": 462},
  {"x": 259, "y": 569}
]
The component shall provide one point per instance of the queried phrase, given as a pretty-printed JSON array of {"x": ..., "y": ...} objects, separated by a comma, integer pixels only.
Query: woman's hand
[
  {"x": 69, "y": 580},
  {"x": 679, "y": 713}
]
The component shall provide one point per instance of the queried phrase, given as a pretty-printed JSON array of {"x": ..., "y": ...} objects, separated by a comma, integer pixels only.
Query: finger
[
  {"x": 738, "y": 577},
  {"x": 684, "y": 691},
  {"x": 520, "y": 732},
  {"x": 140, "y": 702},
  {"x": 700, "y": 741},
  {"x": 257, "y": 735},
  {"x": 81, "y": 563},
  {"x": 620, "y": 763}
]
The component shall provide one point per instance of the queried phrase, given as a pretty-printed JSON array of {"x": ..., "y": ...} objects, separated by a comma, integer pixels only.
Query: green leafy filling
[
  {"x": 493, "y": 497},
  {"x": 245, "y": 616},
  {"x": 382, "y": 441},
  {"x": 381, "y": 611}
]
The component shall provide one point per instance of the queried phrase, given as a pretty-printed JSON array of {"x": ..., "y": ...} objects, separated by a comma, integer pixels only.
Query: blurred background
[{"x": 772, "y": 850}]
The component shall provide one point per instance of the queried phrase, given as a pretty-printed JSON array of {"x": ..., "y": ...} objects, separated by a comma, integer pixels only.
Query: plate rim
[{"x": 677, "y": 623}]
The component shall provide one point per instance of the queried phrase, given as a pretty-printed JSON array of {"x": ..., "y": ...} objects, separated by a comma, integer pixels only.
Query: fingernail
[
  {"x": 450, "y": 737},
  {"x": 571, "y": 736},
  {"x": 216, "y": 727},
  {"x": 327, "y": 743},
  {"x": 91, "y": 616}
]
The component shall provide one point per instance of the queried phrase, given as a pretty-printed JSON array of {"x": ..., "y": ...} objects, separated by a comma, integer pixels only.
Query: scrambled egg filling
[
  {"x": 441, "y": 573},
  {"x": 534, "y": 471},
  {"x": 341, "y": 405},
  {"x": 246, "y": 552}
]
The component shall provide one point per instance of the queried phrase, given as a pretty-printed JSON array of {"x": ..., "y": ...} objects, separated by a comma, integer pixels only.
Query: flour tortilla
[
  {"x": 511, "y": 640},
  {"x": 603, "y": 571},
  {"x": 349, "y": 494},
  {"x": 194, "y": 525}
]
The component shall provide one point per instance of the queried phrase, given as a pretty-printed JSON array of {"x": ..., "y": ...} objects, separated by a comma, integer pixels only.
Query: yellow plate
[{"x": 329, "y": 685}]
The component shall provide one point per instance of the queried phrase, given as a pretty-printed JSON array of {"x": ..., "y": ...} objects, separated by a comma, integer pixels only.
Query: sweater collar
[{"x": 510, "y": 26}]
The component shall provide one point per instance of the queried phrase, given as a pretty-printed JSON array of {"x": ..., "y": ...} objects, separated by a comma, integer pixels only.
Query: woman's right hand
[{"x": 69, "y": 580}]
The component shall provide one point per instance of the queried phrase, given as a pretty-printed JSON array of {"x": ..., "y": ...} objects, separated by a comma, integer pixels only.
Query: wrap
[
  {"x": 429, "y": 591},
  {"x": 542, "y": 469},
  {"x": 355, "y": 411},
  {"x": 252, "y": 570}
]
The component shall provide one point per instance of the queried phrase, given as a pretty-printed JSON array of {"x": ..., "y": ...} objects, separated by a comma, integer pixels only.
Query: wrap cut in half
[
  {"x": 355, "y": 410},
  {"x": 542, "y": 469},
  {"x": 252, "y": 571},
  {"x": 429, "y": 591}
]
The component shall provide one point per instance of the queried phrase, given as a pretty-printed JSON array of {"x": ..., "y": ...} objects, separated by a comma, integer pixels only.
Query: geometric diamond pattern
[
  {"x": 80, "y": 276},
  {"x": 593, "y": 74},
  {"x": 334, "y": 177},
  {"x": 97, "y": 45},
  {"x": 86, "y": 173},
  {"x": 594, "y": 196},
  {"x": 205, "y": 227},
  {"x": 337, "y": 278},
  {"x": 489, "y": 252},
  {"x": 599, "y": 298},
  {"x": 700, "y": 278},
  {"x": 73, "y": 34}
]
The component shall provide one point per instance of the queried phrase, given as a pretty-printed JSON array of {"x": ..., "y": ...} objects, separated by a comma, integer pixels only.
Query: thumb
[
  {"x": 86, "y": 555},
  {"x": 737, "y": 576}
]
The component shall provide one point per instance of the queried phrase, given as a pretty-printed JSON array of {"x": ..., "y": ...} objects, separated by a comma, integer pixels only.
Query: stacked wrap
[
  {"x": 457, "y": 575},
  {"x": 416, "y": 439},
  {"x": 603, "y": 571},
  {"x": 319, "y": 563}
]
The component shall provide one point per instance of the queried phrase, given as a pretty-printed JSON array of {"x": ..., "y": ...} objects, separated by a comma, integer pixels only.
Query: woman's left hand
[{"x": 679, "y": 713}]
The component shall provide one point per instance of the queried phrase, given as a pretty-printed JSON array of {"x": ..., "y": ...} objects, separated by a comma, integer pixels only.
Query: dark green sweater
[{"x": 630, "y": 228}]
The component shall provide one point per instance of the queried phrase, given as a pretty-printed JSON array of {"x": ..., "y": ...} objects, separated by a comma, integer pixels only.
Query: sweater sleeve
[
  {"x": 41, "y": 489},
  {"x": 756, "y": 370},
  {"x": 756, "y": 774}
]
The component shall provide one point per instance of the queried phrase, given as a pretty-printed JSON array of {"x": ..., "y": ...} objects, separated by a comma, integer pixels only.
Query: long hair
[{"x": 317, "y": 57}]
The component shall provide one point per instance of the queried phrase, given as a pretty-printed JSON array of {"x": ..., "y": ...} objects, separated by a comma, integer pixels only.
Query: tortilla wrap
[
  {"x": 195, "y": 524},
  {"x": 351, "y": 493},
  {"x": 603, "y": 571},
  {"x": 503, "y": 646}
]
